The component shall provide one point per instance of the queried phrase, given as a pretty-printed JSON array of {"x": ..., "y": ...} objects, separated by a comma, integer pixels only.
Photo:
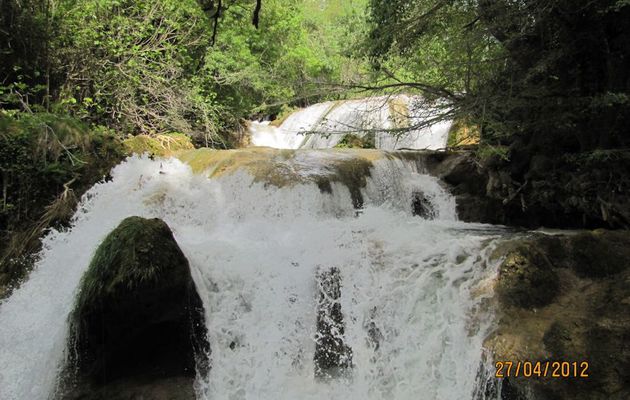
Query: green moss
[
  {"x": 285, "y": 112},
  {"x": 138, "y": 252},
  {"x": 352, "y": 141},
  {"x": 159, "y": 145},
  {"x": 282, "y": 168},
  {"x": 486, "y": 152}
]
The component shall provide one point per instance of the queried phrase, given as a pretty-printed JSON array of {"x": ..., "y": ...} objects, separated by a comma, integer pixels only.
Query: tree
[{"x": 540, "y": 74}]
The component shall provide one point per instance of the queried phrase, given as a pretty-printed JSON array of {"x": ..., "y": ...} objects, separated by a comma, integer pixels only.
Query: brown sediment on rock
[
  {"x": 285, "y": 168},
  {"x": 584, "y": 316},
  {"x": 399, "y": 112},
  {"x": 463, "y": 133}
]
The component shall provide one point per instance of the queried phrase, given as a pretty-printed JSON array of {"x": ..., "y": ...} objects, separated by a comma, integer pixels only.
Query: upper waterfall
[{"x": 395, "y": 122}]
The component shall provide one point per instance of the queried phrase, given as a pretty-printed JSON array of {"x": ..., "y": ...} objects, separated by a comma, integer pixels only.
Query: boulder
[
  {"x": 421, "y": 206},
  {"x": 332, "y": 356},
  {"x": 138, "y": 324}
]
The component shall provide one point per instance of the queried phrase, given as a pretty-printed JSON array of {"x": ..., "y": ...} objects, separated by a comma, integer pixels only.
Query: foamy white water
[
  {"x": 254, "y": 253},
  {"x": 323, "y": 125}
]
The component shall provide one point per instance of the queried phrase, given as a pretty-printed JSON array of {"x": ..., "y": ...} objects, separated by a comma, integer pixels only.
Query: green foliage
[
  {"x": 150, "y": 67},
  {"x": 24, "y": 52},
  {"x": 437, "y": 43},
  {"x": 133, "y": 65},
  {"x": 41, "y": 152},
  {"x": 536, "y": 75},
  {"x": 487, "y": 151},
  {"x": 293, "y": 58},
  {"x": 351, "y": 141},
  {"x": 160, "y": 145},
  {"x": 43, "y": 159}
]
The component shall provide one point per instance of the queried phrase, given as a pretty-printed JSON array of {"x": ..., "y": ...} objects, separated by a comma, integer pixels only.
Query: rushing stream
[{"x": 414, "y": 291}]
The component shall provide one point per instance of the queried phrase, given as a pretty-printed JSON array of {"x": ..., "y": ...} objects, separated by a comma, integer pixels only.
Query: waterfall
[
  {"x": 414, "y": 290},
  {"x": 396, "y": 122}
]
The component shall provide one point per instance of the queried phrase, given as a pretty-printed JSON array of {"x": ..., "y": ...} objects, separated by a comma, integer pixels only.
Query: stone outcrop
[
  {"x": 138, "y": 326},
  {"x": 565, "y": 298},
  {"x": 332, "y": 356},
  {"x": 561, "y": 192},
  {"x": 468, "y": 181}
]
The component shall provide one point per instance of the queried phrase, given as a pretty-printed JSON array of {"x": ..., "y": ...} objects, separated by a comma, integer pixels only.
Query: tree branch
[{"x": 256, "y": 17}]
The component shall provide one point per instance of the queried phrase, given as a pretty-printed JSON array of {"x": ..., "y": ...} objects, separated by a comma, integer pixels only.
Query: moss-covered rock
[
  {"x": 158, "y": 145},
  {"x": 399, "y": 112},
  {"x": 138, "y": 318}
]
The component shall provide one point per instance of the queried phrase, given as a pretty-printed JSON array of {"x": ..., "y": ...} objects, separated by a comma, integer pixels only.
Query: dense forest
[{"x": 545, "y": 82}]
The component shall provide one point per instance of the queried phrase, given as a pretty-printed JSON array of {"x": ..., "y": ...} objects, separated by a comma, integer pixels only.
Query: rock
[
  {"x": 174, "y": 388},
  {"x": 421, "y": 206},
  {"x": 458, "y": 168},
  {"x": 472, "y": 208},
  {"x": 586, "y": 319},
  {"x": 332, "y": 356},
  {"x": 534, "y": 190},
  {"x": 286, "y": 168},
  {"x": 138, "y": 324},
  {"x": 526, "y": 278},
  {"x": 600, "y": 253}
]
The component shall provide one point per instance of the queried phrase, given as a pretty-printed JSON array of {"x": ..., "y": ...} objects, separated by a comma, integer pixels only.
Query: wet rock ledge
[
  {"x": 138, "y": 328},
  {"x": 545, "y": 191},
  {"x": 565, "y": 298}
]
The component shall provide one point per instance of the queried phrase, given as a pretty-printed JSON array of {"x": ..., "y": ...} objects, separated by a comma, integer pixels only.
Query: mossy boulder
[
  {"x": 138, "y": 319},
  {"x": 158, "y": 145}
]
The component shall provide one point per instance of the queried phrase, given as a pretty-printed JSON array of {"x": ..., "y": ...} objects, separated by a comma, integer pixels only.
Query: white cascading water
[
  {"x": 323, "y": 125},
  {"x": 422, "y": 285}
]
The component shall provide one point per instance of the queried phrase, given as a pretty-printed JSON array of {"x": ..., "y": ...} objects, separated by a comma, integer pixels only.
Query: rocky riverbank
[
  {"x": 565, "y": 298},
  {"x": 564, "y": 193}
]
